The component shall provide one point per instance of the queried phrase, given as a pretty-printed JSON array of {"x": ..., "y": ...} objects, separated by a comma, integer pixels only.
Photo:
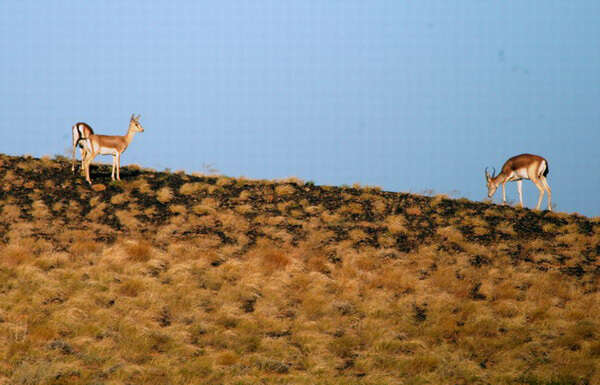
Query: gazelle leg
[
  {"x": 83, "y": 155},
  {"x": 86, "y": 170},
  {"x": 520, "y": 188},
  {"x": 118, "y": 163},
  {"x": 114, "y": 161},
  {"x": 73, "y": 158},
  {"x": 88, "y": 160},
  {"x": 541, "y": 188},
  {"x": 84, "y": 165},
  {"x": 545, "y": 184},
  {"x": 504, "y": 193}
]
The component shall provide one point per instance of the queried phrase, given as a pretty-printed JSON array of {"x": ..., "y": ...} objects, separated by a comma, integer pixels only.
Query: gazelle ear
[{"x": 138, "y": 117}]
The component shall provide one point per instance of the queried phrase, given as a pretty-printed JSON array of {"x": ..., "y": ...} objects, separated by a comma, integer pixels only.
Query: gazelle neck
[
  {"x": 499, "y": 178},
  {"x": 130, "y": 133}
]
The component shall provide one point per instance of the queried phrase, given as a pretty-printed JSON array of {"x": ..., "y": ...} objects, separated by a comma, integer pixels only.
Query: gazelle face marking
[
  {"x": 491, "y": 187},
  {"x": 135, "y": 124}
]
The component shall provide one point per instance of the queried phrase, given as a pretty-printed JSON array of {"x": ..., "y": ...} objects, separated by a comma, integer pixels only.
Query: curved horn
[
  {"x": 493, "y": 172},
  {"x": 487, "y": 174}
]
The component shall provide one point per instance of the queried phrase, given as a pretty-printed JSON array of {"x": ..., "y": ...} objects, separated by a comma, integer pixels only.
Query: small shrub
[
  {"x": 164, "y": 195},
  {"x": 396, "y": 224},
  {"x": 119, "y": 199},
  {"x": 13, "y": 255},
  {"x": 139, "y": 251},
  {"x": 131, "y": 288},
  {"x": 413, "y": 210},
  {"x": 190, "y": 188},
  {"x": 285, "y": 189},
  {"x": 227, "y": 358},
  {"x": 40, "y": 210}
]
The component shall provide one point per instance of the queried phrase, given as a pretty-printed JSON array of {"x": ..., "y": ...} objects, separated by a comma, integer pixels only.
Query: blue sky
[{"x": 405, "y": 95}]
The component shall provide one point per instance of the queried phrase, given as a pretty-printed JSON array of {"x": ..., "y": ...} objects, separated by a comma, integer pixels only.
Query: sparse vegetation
[{"x": 168, "y": 278}]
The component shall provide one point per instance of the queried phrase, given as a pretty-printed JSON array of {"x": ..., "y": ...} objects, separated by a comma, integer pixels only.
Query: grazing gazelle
[
  {"x": 517, "y": 168},
  {"x": 80, "y": 131},
  {"x": 110, "y": 145}
]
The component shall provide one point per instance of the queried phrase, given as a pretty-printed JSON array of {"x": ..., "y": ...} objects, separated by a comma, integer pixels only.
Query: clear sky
[{"x": 406, "y": 95}]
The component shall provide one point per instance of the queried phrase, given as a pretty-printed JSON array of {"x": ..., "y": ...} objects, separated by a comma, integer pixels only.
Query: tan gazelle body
[
  {"x": 110, "y": 145},
  {"x": 517, "y": 168}
]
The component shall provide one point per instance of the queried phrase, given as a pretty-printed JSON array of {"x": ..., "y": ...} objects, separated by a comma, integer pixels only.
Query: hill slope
[{"x": 176, "y": 279}]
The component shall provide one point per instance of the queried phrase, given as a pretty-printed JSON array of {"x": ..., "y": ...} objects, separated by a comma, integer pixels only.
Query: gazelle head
[
  {"x": 134, "y": 123},
  {"x": 491, "y": 185}
]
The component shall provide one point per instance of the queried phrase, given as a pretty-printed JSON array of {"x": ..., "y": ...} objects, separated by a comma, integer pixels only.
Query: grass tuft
[{"x": 138, "y": 250}]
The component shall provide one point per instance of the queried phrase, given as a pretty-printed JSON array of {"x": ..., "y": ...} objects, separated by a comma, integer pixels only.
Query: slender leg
[
  {"x": 73, "y": 158},
  {"x": 84, "y": 165},
  {"x": 520, "y": 188},
  {"x": 114, "y": 161},
  {"x": 504, "y": 193},
  {"x": 118, "y": 162},
  {"x": 545, "y": 183},
  {"x": 86, "y": 170},
  {"x": 83, "y": 155},
  {"x": 541, "y": 188},
  {"x": 87, "y": 162}
]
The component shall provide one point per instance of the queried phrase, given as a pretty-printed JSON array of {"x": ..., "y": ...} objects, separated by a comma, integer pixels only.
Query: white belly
[
  {"x": 107, "y": 151},
  {"x": 99, "y": 150},
  {"x": 519, "y": 174}
]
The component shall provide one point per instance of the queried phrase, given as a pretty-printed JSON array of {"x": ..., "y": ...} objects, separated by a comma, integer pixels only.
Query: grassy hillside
[{"x": 168, "y": 278}]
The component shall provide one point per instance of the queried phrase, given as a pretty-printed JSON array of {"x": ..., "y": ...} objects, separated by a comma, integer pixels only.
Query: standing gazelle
[
  {"x": 517, "y": 168},
  {"x": 79, "y": 132},
  {"x": 110, "y": 145}
]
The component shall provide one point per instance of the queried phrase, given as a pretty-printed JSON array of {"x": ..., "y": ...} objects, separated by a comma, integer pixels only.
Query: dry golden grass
[
  {"x": 11, "y": 212},
  {"x": 379, "y": 205},
  {"x": 119, "y": 199},
  {"x": 272, "y": 285},
  {"x": 244, "y": 209},
  {"x": 141, "y": 185},
  {"x": 138, "y": 251},
  {"x": 190, "y": 188},
  {"x": 331, "y": 218},
  {"x": 14, "y": 255},
  {"x": 40, "y": 210},
  {"x": 396, "y": 224},
  {"x": 223, "y": 181},
  {"x": 202, "y": 209},
  {"x": 285, "y": 189},
  {"x": 97, "y": 211},
  {"x": 164, "y": 195},
  {"x": 351, "y": 208},
  {"x": 210, "y": 202},
  {"x": 413, "y": 210},
  {"x": 82, "y": 246},
  {"x": 451, "y": 234},
  {"x": 178, "y": 209}
]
